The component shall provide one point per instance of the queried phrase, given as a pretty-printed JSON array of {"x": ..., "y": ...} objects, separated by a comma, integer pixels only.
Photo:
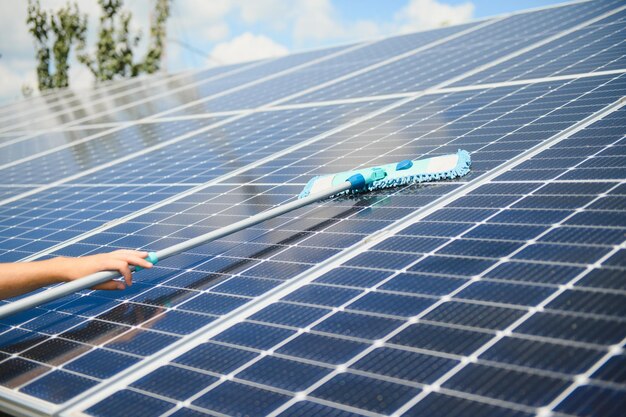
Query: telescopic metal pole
[{"x": 89, "y": 281}]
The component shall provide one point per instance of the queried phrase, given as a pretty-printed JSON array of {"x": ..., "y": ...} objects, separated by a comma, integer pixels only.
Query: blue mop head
[{"x": 391, "y": 175}]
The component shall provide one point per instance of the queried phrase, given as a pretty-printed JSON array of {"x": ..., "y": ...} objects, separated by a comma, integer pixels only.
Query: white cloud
[
  {"x": 11, "y": 83},
  {"x": 316, "y": 19},
  {"x": 201, "y": 19},
  {"x": 307, "y": 20},
  {"x": 247, "y": 47},
  {"x": 275, "y": 12},
  {"x": 205, "y": 10},
  {"x": 428, "y": 14}
]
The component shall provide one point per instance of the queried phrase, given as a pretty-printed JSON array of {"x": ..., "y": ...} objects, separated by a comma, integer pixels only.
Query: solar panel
[{"x": 501, "y": 293}]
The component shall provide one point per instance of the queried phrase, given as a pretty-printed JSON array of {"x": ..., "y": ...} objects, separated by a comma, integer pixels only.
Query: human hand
[{"x": 70, "y": 269}]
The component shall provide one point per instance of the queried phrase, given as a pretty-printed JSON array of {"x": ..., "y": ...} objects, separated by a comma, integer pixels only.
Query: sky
[{"x": 203, "y": 33}]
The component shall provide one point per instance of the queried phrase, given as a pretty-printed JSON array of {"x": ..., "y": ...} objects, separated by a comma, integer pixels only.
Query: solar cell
[
  {"x": 597, "y": 47},
  {"x": 129, "y": 107},
  {"x": 498, "y": 294},
  {"x": 432, "y": 67},
  {"x": 488, "y": 322}
]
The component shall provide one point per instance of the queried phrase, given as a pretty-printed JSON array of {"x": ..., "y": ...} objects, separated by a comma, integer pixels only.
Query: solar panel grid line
[
  {"x": 124, "y": 159},
  {"x": 454, "y": 89},
  {"x": 146, "y": 85},
  {"x": 579, "y": 43},
  {"x": 25, "y": 135},
  {"x": 287, "y": 404},
  {"x": 534, "y": 46},
  {"x": 322, "y": 136},
  {"x": 22, "y": 134},
  {"x": 244, "y": 85},
  {"x": 0, "y": 202},
  {"x": 205, "y": 99},
  {"x": 41, "y": 100},
  {"x": 102, "y": 320},
  {"x": 92, "y": 396},
  {"x": 11, "y": 137},
  {"x": 580, "y": 126},
  {"x": 119, "y": 197},
  {"x": 121, "y": 184},
  {"x": 583, "y": 379},
  {"x": 472, "y": 359},
  {"x": 607, "y": 36},
  {"x": 47, "y": 97},
  {"x": 379, "y": 64},
  {"x": 36, "y": 409},
  {"x": 198, "y": 116},
  {"x": 469, "y": 52},
  {"x": 60, "y": 147},
  {"x": 141, "y": 88},
  {"x": 232, "y": 174},
  {"x": 500, "y": 334},
  {"x": 471, "y": 72},
  {"x": 290, "y": 106},
  {"x": 270, "y": 89}
]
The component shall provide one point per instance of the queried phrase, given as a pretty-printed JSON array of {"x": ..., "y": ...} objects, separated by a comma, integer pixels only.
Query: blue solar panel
[
  {"x": 532, "y": 340},
  {"x": 498, "y": 294},
  {"x": 455, "y": 57},
  {"x": 597, "y": 47}
]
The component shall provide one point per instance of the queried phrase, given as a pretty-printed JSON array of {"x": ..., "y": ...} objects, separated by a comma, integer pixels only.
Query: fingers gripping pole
[
  {"x": 152, "y": 257},
  {"x": 89, "y": 281}
]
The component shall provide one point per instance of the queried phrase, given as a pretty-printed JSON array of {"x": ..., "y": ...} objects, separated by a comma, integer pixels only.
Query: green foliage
[
  {"x": 66, "y": 27},
  {"x": 114, "y": 56},
  {"x": 152, "y": 60}
]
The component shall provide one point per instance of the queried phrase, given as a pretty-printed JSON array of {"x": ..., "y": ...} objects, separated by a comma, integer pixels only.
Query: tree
[
  {"x": 67, "y": 26},
  {"x": 115, "y": 48},
  {"x": 114, "y": 55}
]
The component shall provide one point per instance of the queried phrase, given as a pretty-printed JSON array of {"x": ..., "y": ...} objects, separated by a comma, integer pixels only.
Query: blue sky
[{"x": 205, "y": 32}]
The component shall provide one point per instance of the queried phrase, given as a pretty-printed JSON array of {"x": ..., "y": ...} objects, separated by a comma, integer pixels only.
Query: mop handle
[{"x": 89, "y": 281}]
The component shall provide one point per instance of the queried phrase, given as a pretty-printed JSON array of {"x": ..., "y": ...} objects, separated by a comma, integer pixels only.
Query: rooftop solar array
[{"x": 499, "y": 294}]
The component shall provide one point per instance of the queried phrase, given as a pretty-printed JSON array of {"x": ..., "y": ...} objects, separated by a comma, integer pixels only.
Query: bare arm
[{"x": 22, "y": 277}]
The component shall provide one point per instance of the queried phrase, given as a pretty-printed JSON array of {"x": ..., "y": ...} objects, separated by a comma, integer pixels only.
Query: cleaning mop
[{"x": 318, "y": 188}]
